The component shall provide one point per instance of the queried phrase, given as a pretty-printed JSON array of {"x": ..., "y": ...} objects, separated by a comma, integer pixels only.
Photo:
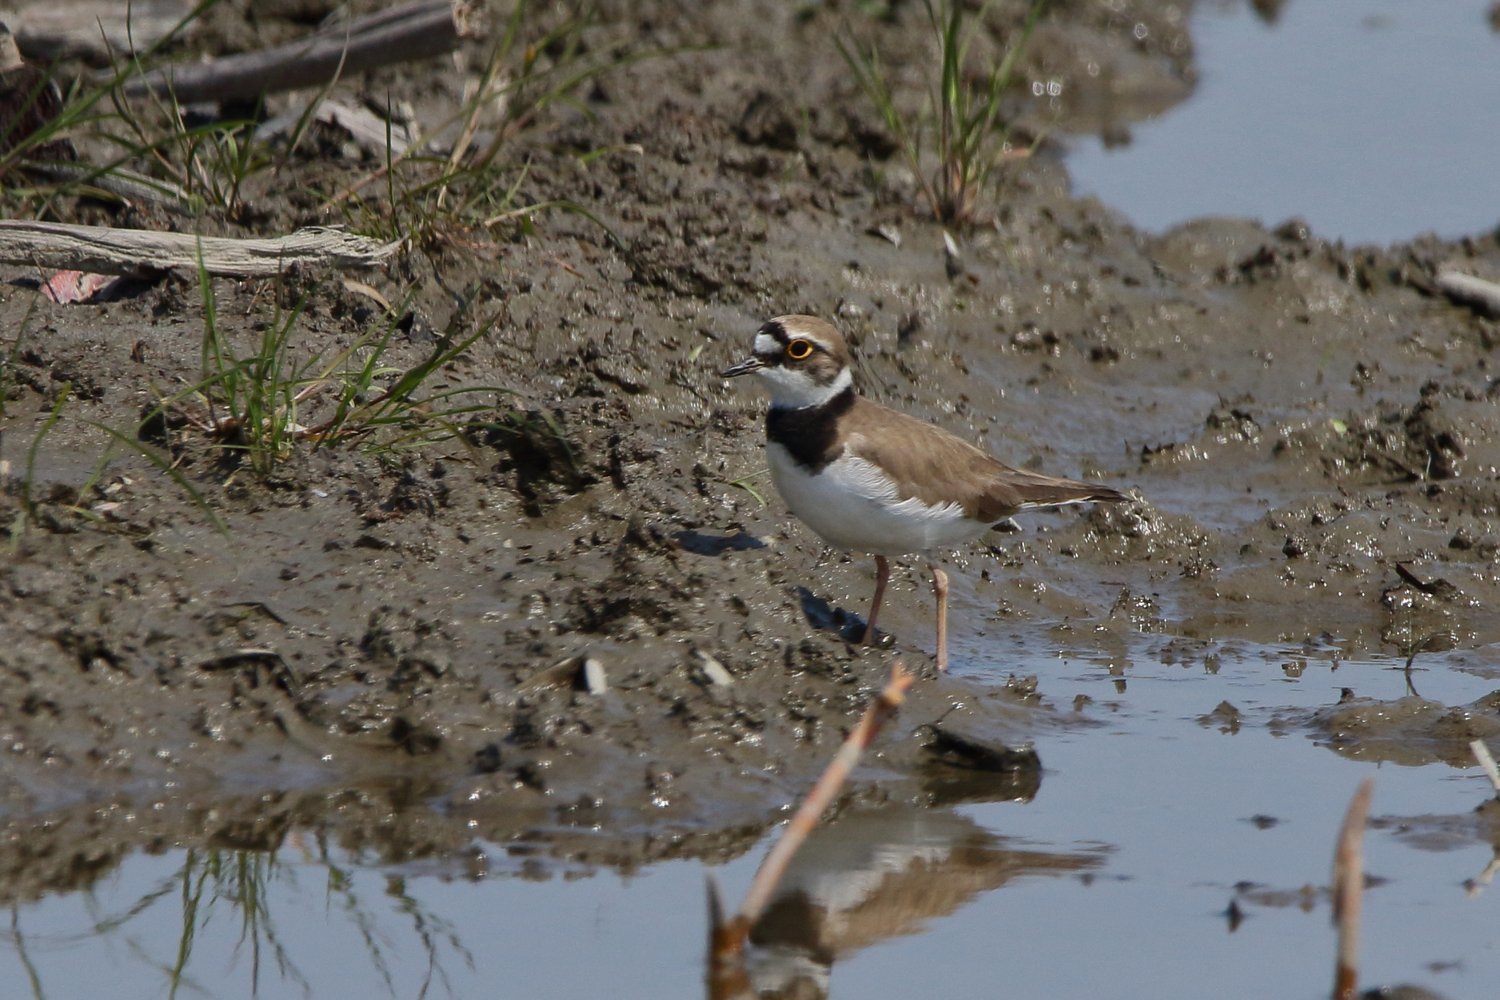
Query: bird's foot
[{"x": 858, "y": 633}]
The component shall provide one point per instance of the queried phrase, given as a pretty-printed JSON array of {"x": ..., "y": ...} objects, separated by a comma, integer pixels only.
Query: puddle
[
  {"x": 238, "y": 923},
  {"x": 1158, "y": 807},
  {"x": 1375, "y": 122}
]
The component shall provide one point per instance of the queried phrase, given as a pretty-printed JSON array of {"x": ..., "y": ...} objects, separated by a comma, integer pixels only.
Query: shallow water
[
  {"x": 1373, "y": 121},
  {"x": 1151, "y": 817}
]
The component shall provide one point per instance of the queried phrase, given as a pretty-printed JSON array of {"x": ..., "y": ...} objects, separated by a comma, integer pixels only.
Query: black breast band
[{"x": 810, "y": 433}]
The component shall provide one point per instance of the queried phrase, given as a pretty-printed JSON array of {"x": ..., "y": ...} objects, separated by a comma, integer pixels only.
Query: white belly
[{"x": 851, "y": 505}]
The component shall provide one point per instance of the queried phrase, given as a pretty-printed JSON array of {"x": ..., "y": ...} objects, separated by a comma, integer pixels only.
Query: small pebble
[{"x": 594, "y": 679}]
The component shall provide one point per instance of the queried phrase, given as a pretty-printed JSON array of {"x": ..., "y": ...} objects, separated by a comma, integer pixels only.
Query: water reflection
[
  {"x": 1190, "y": 776},
  {"x": 250, "y": 907},
  {"x": 226, "y": 907},
  {"x": 280, "y": 899},
  {"x": 876, "y": 874}
]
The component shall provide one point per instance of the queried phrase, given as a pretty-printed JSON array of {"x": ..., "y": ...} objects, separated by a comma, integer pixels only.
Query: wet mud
[{"x": 586, "y": 628}]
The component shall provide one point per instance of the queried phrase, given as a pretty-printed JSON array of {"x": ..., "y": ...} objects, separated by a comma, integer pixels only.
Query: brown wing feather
[{"x": 939, "y": 467}]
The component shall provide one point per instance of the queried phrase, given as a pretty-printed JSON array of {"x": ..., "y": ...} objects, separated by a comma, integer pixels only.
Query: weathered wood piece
[
  {"x": 140, "y": 253},
  {"x": 96, "y": 32},
  {"x": 409, "y": 32}
]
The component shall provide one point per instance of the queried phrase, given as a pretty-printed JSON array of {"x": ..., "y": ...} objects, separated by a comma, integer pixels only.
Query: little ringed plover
[{"x": 869, "y": 479}]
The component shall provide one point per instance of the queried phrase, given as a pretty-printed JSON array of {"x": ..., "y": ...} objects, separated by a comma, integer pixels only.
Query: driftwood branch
[
  {"x": 412, "y": 31},
  {"x": 139, "y": 252}
]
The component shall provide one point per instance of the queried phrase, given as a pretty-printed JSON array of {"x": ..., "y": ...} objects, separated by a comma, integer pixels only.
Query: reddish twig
[
  {"x": 727, "y": 978},
  {"x": 1348, "y": 885},
  {"x": 727, "y": 938}
]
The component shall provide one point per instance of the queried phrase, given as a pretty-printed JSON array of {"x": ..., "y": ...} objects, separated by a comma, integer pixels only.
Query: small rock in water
[{"x": 962, "y": 750}]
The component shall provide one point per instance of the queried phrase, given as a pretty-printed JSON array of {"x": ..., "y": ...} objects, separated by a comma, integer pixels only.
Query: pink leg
[
  {"x": 940, "y": 591},
  {"x": 882, "y": 574}
]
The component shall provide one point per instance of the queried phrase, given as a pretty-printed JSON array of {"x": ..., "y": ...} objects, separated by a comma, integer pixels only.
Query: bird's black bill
[{"x": 745, "y": 367}]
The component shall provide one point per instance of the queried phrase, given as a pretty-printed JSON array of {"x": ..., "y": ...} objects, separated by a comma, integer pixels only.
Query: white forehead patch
[{"x": 767, "y": 344}]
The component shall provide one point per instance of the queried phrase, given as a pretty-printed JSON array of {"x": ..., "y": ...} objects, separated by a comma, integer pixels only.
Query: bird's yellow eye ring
[{"x": 799, "y": 350}]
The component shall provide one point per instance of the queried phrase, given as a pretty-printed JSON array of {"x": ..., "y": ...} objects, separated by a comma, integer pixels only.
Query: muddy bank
[{"x": 1309, "y": 428}]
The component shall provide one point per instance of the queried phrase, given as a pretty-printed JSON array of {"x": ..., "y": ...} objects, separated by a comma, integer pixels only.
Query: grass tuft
[
  {"x": 259, "y": 406},
  {"x": 960, "y": 139},
  {"x": 428, "y": 195},
  {"x": 450, "y": 180}
]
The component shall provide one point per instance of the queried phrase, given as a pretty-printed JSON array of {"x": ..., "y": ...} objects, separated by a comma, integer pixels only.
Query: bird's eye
[{"x": 799, "y": 350}]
